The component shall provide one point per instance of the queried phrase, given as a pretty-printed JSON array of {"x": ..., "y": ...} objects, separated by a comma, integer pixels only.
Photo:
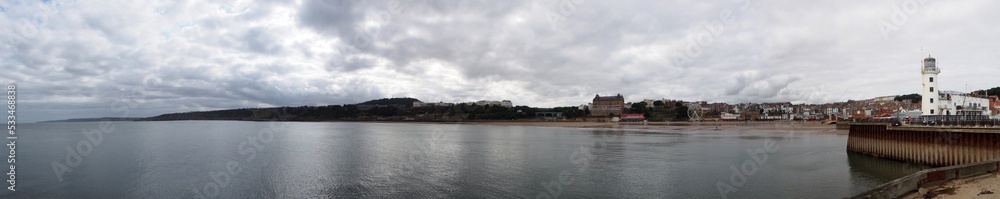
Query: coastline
[
  {"x": 794, "y": 126},
  {"x": 797, "y": 126}
]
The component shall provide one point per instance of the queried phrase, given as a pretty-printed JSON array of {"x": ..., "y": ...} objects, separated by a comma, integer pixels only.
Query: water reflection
[
  {"x": 884, "y": 169},
  {"x": 323, "y": 160},
  {"x": 868, "y": 171}
]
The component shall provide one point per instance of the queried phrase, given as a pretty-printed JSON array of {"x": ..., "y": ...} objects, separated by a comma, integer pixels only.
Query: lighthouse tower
[{"x": 929, "y": 71}]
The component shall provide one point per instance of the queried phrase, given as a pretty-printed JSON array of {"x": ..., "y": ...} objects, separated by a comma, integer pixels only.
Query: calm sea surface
[{"x": 233, "y": 159}]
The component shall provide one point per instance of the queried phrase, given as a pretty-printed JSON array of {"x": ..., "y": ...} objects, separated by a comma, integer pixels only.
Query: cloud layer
[{"x": 82, "y": 59}]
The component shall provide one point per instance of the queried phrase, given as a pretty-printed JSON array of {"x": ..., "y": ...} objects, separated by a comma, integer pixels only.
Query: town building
[
  {"x": 426, "y": 104},
  {"x": 607, "y": 105},
  {"x": 729, "y": 117},
  {"x": 638, "y": 117},
  {"x": 884, "y": 98},
  {"x": 504, "y": 103},
  {"x": 650, "y": 103},
  {"x": 938, "y": 104},
  {"x": 995, "y": 106},
  {"x": 365, "y": 107}
]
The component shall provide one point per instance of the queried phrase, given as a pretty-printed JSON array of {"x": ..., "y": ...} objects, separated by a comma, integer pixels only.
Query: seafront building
[
  {"x": 637, "y": 117},
  {"x": 938, "y": 104},
  {"x": 607, "y": 105}
]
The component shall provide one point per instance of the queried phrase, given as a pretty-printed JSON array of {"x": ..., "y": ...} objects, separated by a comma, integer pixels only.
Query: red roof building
[{"x": 638, "y": 117}]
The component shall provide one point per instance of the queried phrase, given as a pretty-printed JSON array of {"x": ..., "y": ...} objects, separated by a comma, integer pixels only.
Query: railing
[
  {"x": 930, "y": 177},
  {"x": 938, "y": 120},
  {"x": 956, "y": 120}
]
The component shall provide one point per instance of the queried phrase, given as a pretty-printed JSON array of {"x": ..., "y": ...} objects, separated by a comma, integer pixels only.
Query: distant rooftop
[{"x": 616, "y": 97}]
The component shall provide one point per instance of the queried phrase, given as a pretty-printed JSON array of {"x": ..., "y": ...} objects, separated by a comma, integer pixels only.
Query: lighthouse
[{"x": 929, "y": 72}]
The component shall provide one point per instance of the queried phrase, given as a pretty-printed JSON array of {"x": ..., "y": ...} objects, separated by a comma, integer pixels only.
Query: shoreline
[
  {"x": 795, "y": 126},
  {"x": 804, "y": 127}
]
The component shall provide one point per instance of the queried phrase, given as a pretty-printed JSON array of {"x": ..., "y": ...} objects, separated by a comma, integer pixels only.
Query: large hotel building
[{"x": 607, "y": 105}]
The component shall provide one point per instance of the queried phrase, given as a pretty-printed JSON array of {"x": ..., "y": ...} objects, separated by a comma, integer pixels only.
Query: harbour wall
[{"x": 935, "y": 146}]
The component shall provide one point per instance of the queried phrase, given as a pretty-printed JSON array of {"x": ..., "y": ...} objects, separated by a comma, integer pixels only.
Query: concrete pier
[{"x": 936, "y": 146}]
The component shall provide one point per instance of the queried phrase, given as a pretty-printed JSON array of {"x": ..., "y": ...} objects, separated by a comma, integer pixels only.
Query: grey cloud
[
  {"x": 337, "y": 17},
  {"x": 261, "y": 41},
  {"x": 348, "y": 64},
  {"x": 214, "y": 55}
]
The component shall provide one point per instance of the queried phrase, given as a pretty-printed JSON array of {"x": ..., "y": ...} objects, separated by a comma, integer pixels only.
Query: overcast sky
[{"x": 74, "y": 59}]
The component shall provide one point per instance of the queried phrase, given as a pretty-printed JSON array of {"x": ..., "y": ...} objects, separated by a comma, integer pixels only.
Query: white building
[
  {"x": 937, "y": 103},
  {"x": 929, "y": 72},
  {"x": 504, "y": 103},
  {"x": 729, "y": 116},
  {"x": 649, "y": 102},
  {"x": 423, "y": 104},
  {"x": 958, "y": 103},
  {"x": 884, "y": 98}
]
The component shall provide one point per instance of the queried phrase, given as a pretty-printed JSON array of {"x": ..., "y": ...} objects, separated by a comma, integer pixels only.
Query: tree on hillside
[
  {"x": 392, "y": 101},
  {"x": 569, "y": 112},
  {"x": 638, "y": 107},
  {"x": 681, "y": 113},
  {"x": 914, "y": 98},
  {"x": 383, "y": 111},
  {"x": 992, "y": 91}
]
